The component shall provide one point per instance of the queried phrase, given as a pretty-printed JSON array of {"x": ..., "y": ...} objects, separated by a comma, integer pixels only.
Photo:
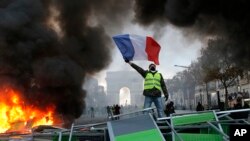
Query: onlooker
[
  {"x": 117, "y": 110},
  {"x": 237, "y": 106},
  {"x": 169, "y": 108},
  {"x": 245, "y": 106},
  {"x": 92, "y": 112},
  {"x": 199, "y": 107},
  {"x": 245, "y": 114},
  {"x": 109, "y": 112}
]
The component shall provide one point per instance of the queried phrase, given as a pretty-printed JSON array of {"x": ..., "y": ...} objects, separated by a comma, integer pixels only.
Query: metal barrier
[
  {"x": 190, "y": 120},
  {"x": 141, "y": 127},
  {"x": 112, "y": 117}
]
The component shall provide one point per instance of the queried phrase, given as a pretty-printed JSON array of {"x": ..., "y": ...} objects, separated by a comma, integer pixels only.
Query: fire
[{"x": 16, "y": 115}]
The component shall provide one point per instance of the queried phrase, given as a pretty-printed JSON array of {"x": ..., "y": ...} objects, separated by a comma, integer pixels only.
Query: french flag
[{"x": 136, "y": 47}]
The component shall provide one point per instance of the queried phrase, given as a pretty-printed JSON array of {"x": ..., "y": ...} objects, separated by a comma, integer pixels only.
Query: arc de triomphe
[{"x": 120, "y": 79}]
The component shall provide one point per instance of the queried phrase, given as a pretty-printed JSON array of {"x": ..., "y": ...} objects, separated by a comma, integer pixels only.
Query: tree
[
  {"x": 199, "y": 77},
  {"x": 197, "y": 72},
  {"x": 183, "y": 81},
  {"x": 216, "y": 61}
]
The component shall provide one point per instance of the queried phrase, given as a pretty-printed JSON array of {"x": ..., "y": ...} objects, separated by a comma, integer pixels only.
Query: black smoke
[
  {"x": 49, "y": 65},
  {"x": 227, "y": 19}
]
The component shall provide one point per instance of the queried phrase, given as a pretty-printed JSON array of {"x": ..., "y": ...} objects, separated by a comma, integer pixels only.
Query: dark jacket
[
  {"x": 169, "y": 109},
  {"x": 199, "y": 107},
  {"x": 151, "y": 92}
]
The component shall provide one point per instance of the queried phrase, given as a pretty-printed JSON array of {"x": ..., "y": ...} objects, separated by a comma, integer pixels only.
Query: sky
[{"x": 176, "y": 49}]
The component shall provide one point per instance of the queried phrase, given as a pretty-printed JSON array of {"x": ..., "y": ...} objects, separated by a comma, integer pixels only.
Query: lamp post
[
  {"x": 200, "y": 96},
  {"x": 182, "y": 66}
]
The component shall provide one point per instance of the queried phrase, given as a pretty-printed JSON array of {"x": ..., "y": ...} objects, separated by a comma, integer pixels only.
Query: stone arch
[{"x": 119, "y": 79}]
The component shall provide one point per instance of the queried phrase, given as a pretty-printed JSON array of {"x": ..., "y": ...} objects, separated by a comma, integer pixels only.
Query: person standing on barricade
[{"x": 154, "y": 85}]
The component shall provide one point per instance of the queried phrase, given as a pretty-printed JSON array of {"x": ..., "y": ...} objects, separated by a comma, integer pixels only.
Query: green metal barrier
[
  {"x": 193, "y": 118},
  {"x": 139, "y": 128},
  {"x": 206, "y": 133},
  {"x": 148, "y": 135},
  {"x": 199, "y": 137}
]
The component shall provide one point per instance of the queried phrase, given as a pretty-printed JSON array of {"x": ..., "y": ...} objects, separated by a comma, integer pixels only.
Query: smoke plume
[
  {"x": 227, "y": 19},
  {"x": 48, "y": 46}
]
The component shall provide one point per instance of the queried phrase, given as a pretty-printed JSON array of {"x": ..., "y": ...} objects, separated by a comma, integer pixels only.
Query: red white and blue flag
[{"x": 136, "y": 47}]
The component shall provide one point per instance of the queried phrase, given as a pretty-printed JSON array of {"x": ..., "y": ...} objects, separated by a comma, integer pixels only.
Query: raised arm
[{"x": 137, "y": 68}]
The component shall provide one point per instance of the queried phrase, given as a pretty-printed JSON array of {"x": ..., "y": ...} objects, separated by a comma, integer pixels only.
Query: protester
[
  {"x": 199, "y": 107},
  {"x": 246, "y": 113},
  {"x": 92, "y": 112},
  {"x": 169, "y": 108},
  {"x": 117, "y": 110},
  {"x": 109, "y": 112},
  {"x": 237, "y": 106},
  {"x": 154, "y": 85}
]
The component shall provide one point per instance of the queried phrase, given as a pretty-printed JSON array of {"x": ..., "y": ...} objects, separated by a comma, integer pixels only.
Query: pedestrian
[
  {"x": 246, "y": 113},
  {"x": 108, "y": 108},
  {"x": 245, "y": 106},
  {"x": 199, "y": 107},
  {"x": 117, "y": 110},
  {"x": 169, "y": 108},
  {"x": 92, "y": 111},
  {"x": 237, "y": 106},
  {"x": 154, "y": 85}
]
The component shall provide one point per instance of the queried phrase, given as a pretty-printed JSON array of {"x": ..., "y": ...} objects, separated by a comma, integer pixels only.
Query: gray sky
[{"x": 176, "y": 49}]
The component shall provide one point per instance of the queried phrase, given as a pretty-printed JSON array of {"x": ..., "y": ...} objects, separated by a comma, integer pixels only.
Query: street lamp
[
  {"x": 200, "y": 96},
  {"x": 182, "y": 66}
]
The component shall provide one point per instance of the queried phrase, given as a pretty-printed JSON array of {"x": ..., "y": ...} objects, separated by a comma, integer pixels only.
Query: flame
[{"x": 15, "y": 114}]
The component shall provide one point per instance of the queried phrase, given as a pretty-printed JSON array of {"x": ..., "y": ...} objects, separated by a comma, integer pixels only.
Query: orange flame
[{"x": 16, "y": 115}]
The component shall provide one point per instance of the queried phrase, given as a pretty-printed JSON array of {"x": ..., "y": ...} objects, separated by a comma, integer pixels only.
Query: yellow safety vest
[{"x": 152, "y": 81}]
